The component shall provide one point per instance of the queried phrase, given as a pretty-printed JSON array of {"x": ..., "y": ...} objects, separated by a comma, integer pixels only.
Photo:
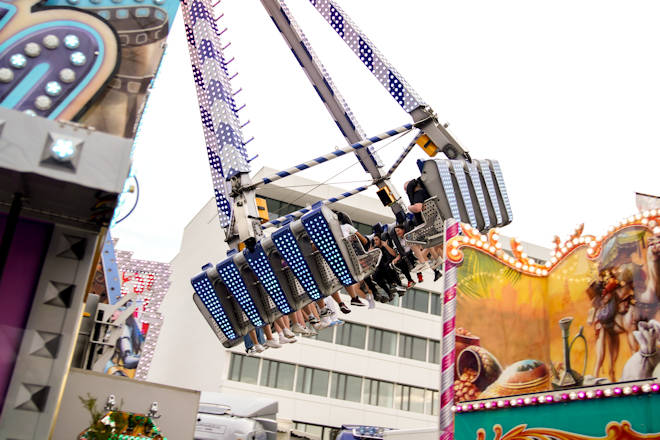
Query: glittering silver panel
[
  {"x": 152, "y": 297},
  {"x": 218, "y": 110}
]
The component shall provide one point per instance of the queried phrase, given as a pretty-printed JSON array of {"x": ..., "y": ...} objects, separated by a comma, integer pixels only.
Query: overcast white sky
[{"x": 565, "y": 94}]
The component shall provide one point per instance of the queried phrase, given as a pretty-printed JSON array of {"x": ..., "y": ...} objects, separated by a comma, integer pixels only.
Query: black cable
[{"x": 137, "y": 198}]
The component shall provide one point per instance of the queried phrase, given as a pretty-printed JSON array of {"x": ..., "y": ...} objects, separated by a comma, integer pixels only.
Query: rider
[{"x": 417, "y": 194}]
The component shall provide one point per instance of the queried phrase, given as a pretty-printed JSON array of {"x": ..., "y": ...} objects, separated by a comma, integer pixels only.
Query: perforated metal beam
[
  {"x": 222, "y": 133},
  {"x": 219, "y": 113},
  {"x": 327, "y": 91},
  {"x": 389, "y": 77},
  {"x": 370, "y": 56}
]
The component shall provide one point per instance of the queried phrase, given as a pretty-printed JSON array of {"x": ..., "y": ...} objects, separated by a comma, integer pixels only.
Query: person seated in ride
[
  {"x": 348, "y": 229},
  {"x": 405, "y": 261},
  {"x": 385, "y": 276},
  {"x": 368, "y": 285},
  {"x": 417, "y": 195},
  {"x": 259, "y": 340}
]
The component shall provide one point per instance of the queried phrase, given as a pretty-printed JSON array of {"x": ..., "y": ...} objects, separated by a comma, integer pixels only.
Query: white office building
[{"x": 379, "y": 368}]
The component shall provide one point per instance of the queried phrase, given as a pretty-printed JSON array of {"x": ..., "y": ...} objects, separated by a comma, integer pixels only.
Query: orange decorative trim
[
  {"x": 613, "y": 431},
  {"x": 491, "y": 245}
]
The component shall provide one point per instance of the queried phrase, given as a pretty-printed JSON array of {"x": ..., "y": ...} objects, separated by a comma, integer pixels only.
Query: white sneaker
[
  {"x": 337, "y": 322},
  {"x": 285, "y": 340},
  {"x": 311, "y": 331},
  {"x": 289, "y": 334},
  {"x": 259, "y": 348},
  {"x": 251, "y": 351},
  {"x": 299, "y": 329},
  {"x": 272, "y": 343},
  {"x": 325, "y": 323},
  {"x": 370, "y": 300}
]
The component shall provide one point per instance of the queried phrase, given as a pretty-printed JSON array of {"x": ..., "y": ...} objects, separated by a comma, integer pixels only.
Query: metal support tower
[{"x": 237, "y": 209}]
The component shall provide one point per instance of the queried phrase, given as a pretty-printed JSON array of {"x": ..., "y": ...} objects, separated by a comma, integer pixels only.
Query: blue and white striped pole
[
  {"x": 403, "y": 156},
  {"x": 294, "y": 215},
  {"x": 335, "y": 154}
]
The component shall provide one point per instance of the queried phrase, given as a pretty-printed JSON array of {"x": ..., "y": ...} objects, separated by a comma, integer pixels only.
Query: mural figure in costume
[
  {"x": 514, "y": 311},
  {"x": 624, "y": 295},
  {"x": 125, "y": 360}
]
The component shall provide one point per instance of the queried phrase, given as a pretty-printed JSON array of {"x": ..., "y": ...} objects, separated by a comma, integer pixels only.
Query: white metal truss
[
  {"x": 222, "y": 131},
  {"x": 327, "y": 91}
]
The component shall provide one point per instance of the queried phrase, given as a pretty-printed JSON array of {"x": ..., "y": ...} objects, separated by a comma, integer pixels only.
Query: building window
[
  {"x": 412, "y": 347},
  {"x": 363, "y": 228},
  {"x": 416, "y": 299},
  {"x": 277, "y": 375},
  {"x": 434, "y": 351},
  {"x": 436, "y": 304},
  {"x": 243, "y": 369},
  {"x": 313, "y": 381},
  {"x": 431, "y": 399},
  {"x": 378, "y": 392},
  {"x": 382, "y": 341},
  {"x": 352, "y": 335},
  {"x": 409, "y": 398},
  {"x": 325, "y": 335},
  {"x": 346, "y": 387},
  {"x": 277, "y": 208}
]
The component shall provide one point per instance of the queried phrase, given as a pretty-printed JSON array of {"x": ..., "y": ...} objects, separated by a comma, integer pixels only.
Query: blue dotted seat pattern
[{"x": 276, "y": 277}]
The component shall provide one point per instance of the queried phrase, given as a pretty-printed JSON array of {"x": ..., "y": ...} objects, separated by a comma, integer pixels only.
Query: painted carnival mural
[
  {"x": 88, "y": 61},
  {"x": 589, "y": 315}
]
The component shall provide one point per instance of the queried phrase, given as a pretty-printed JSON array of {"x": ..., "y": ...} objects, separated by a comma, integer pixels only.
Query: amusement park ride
[
  {"x": 74, "y": 77},
  {"x": 307, "y": 257}
]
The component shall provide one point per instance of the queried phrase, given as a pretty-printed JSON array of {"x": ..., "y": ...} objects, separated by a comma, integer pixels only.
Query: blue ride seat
[
  {"x": 303, "y": 261},
  {"x": 342, "y": 254},
  {"x": 265, "y": 272},
  {"x": 242, "y": 289},
  {"x": 214, "y": 302},
  {"x": 304, "y": 268}
]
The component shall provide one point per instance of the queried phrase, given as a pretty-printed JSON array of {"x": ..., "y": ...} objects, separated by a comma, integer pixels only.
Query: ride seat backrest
[
  {"x": 473, "y": 193},
  {"x": 466, "y": 193},
  {"x": 213, "y": 301},
  {"x": 329, "y": 277},
  {"x": 365, "y": 261},
  {"x": 269, "y": 270},
  {"x": 437, "y": 178},
  {"x": 430, "y": 233},
  {"x": 484, "y": 211},
  {"x": 263, "y": 289},
  {"x": 500, "y": 197},
  {"x": 302, "y": 298},
  {"x": 324, "y": 231},
  {"x": 296, "y": 249},
  {"x": 241, "y": 288}
]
